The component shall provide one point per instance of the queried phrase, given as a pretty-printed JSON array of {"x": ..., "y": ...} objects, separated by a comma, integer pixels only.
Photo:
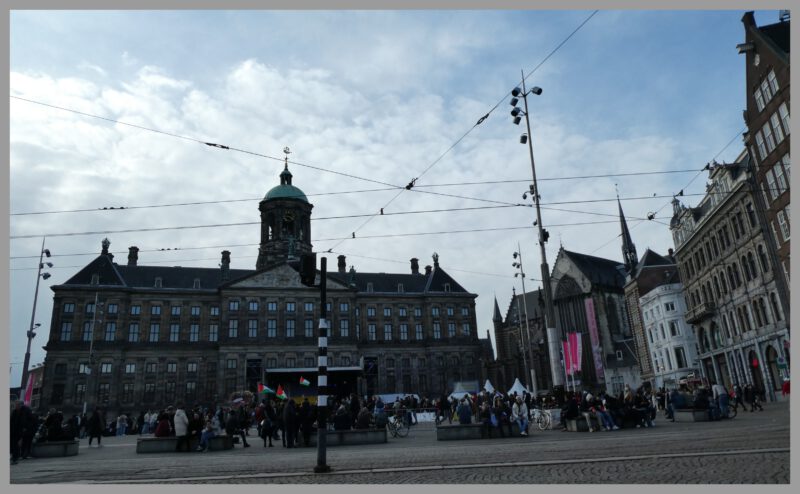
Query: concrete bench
[
  {"x": 168, "y": 444},
  {"x": 459, "y": 431},
  {"x": 579, "y": 424},
  {"x": 691, "y": 415},
  {"x": 351, "y": 437},
  {"x": 52, "y": 449}
]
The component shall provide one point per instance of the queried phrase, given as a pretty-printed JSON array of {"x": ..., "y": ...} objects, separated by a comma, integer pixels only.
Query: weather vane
[{"x": 287, "y": 152}]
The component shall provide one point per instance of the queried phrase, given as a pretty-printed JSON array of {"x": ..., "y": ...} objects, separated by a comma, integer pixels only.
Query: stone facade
[{"x": 132, "y": 337}]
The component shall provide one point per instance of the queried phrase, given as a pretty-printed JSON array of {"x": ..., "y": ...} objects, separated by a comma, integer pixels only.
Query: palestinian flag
[
  {"x": 280, "y": 393},
  {"x": 264, "y": 389},
  {"x": 304, "y": 382}
]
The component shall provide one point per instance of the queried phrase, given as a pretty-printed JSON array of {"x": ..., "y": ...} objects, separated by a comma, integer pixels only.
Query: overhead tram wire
[
  {"x": 413, "y": 181},
  {"x": 357, "y": 191}
]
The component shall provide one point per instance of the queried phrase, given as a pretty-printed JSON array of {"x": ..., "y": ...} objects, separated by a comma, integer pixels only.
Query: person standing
[
  {"x": 122, "y": 424},
  {"x": 290, "y": 423},
  {"x": 182, "y": 429},
  {"x": 95, "y": 426},
  {"x": 233, "y": 427},
  {"x": 16, "y": 428}
]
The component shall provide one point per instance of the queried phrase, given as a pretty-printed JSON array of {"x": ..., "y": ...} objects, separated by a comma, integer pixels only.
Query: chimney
[
  {"x": 133, "y": 255},
  {"x": 342, "y": 264},
  {"x": 428, "y": 270},
  {"x": 225, "y": 266},
  {"x": 670, "y": 252},
  {"x": 414, "y": 265}
]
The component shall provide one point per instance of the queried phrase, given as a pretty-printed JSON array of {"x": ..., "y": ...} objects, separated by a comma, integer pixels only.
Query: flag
[
  {"x": 280, "y": 393},
  {"x": 29, "y": 391},
  {"x": 304, "y": 382},
  {"x": 265, "y": 389},
  {"x": 567, "y": 358}
]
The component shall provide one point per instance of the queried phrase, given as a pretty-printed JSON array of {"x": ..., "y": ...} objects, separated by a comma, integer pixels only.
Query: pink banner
[
  {"x": 567, "y": 358},
  {"x": 575, "y": 350},
  {"x": 597, "y": 347}
]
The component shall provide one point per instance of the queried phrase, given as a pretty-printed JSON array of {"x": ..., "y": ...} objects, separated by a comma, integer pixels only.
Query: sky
[{"x": 379, "y": 97}]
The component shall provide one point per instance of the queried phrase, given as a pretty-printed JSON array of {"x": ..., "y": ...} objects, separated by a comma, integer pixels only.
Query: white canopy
[
  {"x": 458, "y": 392},
  {"x": 488, "y": 387},
  {"x": 518, "y": 387}
]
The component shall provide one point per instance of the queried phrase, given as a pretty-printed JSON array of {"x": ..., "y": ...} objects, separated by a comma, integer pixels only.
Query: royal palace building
[{"x": 129, "y": 337}]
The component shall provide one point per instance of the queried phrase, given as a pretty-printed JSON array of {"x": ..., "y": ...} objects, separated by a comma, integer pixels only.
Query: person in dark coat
[
  {"x": 30, "y": 424},
  {"x": 95, "y": 427},
  {"x": 355, "y": 407},
  {"x": 15, "y": 431},
  {"x": 233, "y": 427},
  {"x": 290, "y": 423},
  {"x": 306, "y": 421}
]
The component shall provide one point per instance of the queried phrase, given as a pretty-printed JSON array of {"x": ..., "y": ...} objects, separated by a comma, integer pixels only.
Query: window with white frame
[
  {"x": 344, "y": 307},
  {"x": 214, "y": 311},
  {"x": 404, "y": 332},
  {"x": 779, "y": 178},
  {"x": 465, "y": 329},
  {"x": 370, "y": 311},
  {"x": 417, "y": 311},
  {"x": 759, "y": 99},
  {"x": 308, "y": 307},
  {"x": 175, "y": 310},
  {"x": 674, "y": 330},
  {"x": 451, "y": 329},
  {"x": 669, "y": 306},
  {"x": 111, "y": 331},
  {"x": 195, "y": 310},
  {"x": 290, "y": 307},
  {"x": 213, "y": 332},
  {"x": 252, "y": 306},
  {"x": 272, "y": 328},
  {"x": 112, "y": 309},
  {"x": 105, "y": 368},
  {"x": 783, "y": 222},
  {"x": 387, "y": 332},
  {"x": 309, "y": 328},
  {"x": 191, "y": 367},
  {"x": 66, "y": 331},
  {"x": 419, "y": 332},
  {"x": 783, "y": 111},
  {"x": 344, "y": 328},
  {"x": 233, "y": 305},
  {"x": 776, "y": 126},
  {"x": 762, "y": 149},
  {"x": 155, "y": 310},
  {"x": 769, "y": 139},
  {"x": 402, "y": 312},
  {"x": 765, "y": 89},
  {"x": 136, "y": 309},
  {"x": 437, "y": 331},
  {"x": 450, "y": 311},
  {"x": 231, "y": 363},
  {"x": 130, "y": 368},
  {"x": 773, "y": 82},
  {"x": 155, "y": 328},
  {"x": 194, "y": 332},
  {"x": 772, "y": 186},
  {"x": 290, "y": 327},
  {"x": 371, "y": 332},
  {"x": 387, "y": 312}
]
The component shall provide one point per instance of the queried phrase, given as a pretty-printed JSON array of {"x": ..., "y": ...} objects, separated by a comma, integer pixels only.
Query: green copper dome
[{"x": 286, "y": 190}]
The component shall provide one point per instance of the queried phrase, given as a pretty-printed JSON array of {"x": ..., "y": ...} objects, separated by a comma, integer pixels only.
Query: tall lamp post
[
  {"x": 31, "y": 330},
  {"x": 553, "y": 338},
  {"x": 521, "y": 274},
  {"x": 519, "y": 333}
]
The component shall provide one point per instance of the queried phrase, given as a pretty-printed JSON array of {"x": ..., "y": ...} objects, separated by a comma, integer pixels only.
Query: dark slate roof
[
  {"x": 628, "y": 358},
  {"x": 532, "y": 301},
  {"x": 412, "y": 283},
  {"x": 778, "y": 34},
  {"x": 176, "y": 277},
  {"x": 598, "y": 270},
  {"x": 650, "y": 259}
]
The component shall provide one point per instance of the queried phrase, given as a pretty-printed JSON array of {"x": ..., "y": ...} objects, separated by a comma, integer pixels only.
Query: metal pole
[
  {"x": 553, "y": 336},
  {"x": 534, "y": 387},
  {"x": 91, "y": 354},
  {"x": 30, "y": 332},
  {"x": 322, "y": 375},
  {"x": 521, "y": 339}
]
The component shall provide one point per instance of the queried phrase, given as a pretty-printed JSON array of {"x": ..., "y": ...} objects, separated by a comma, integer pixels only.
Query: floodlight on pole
[
  {"x": 31, "y": 334},
  {"x": 553, "y": 336},
  {"x": 521, "y": 274}
]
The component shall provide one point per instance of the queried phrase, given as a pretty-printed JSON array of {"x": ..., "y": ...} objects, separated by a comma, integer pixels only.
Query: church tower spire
[{"x": 628, "y": 248}]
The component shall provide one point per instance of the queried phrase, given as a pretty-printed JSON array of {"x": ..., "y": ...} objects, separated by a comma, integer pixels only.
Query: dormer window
[
  {"x": 158, "y": 282},
  {"x": 196, "y": 283},
  {"x": 400, "y": 288},
  {"x": 369, "y": 287},
  {"x": 619, "y": 354},
  {"x": 95, "y": 279},
  {"x": 447, "y": 287}
]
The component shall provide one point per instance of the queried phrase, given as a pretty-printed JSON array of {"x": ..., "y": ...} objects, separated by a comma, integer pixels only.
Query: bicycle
[
  {"x": 397, "y": 427},
  {"x": 542, "y": 418}
]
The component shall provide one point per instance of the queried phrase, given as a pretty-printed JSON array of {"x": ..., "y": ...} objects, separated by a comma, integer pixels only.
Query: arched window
[
  {"x": 751, "y": 260},
  {"x": 723, "y": 283},
  {"x": 775, "y": 307},
  {"x": 757, "y": 312},
  {"x": 762, "y": 258},
  {"x": 736, "y": 275},
  {"x": 763, "y": 306},
  {"x": 725, "y": 326},
  {"x": 716, "y": 287},
  {"x": 745, "y": 269}
]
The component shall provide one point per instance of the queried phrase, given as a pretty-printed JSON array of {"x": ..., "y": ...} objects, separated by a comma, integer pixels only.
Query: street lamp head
[
  {"x": 524, "y": 195},
  {"x": 536, "y": 90},
  {"x": 523, "y": 139},
  {"x": 516, "y": 92},
  {"x": 47, "y": 252},
  {"x": 516, "y": 254},
  {"x": 517, "y": 120},
  {"x": 513, "y": 101},
  {"x": 37, "y": 325},
  {"x": 516, "y": 111},
  {"x": 45, "y": 276}
]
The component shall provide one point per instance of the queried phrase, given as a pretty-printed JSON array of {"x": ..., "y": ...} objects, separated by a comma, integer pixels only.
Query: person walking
[{"x": 95, "y": 426}]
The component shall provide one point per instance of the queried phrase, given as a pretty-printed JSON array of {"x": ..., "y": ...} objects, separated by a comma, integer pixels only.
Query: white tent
[
  {"x": 459, "y": 392},
  {"x": 488, "y": 387},
  {"x": 518, "y": 387}
]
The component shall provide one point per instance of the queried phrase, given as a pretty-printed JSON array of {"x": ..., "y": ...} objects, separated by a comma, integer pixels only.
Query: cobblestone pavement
[{"x": 753, "y": 448}]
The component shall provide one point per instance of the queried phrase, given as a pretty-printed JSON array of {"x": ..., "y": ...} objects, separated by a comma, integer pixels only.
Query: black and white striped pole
[{"x": 322, "y": 375}]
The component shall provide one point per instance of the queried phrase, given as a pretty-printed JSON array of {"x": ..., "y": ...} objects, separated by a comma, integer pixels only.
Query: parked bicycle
[
  {"x": 542, "y": 418},
  {"x": 397, "y": 427}
]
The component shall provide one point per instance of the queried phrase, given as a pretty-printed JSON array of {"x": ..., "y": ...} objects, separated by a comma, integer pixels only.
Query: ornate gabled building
[
  {"x": 767, "y": 67},
  {"x": 729, "y": 280},
  {"x": 589, "y": 298},
  {"x": 130, "y": 337}
]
